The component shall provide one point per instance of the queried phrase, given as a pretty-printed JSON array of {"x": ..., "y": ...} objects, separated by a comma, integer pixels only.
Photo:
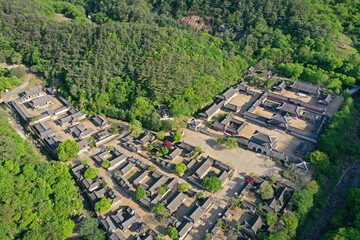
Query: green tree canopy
[
  {"x": 68, "y": 150},
  {"x": 177, "y": 137},
  {"x": 135, "y": 127},
  {"x": 103, "y": 205},
  {"x": 89, "y": 229},
  {"x": 212, "y": 184},
  {"x": 320, "y": 160},
  {"x": 105, "y": 164},
  {"x": 139, "y": 193},
  {"x": 91, "y": 173},
  {"x": 183, "y": 187},
  {"x": 271, "y": 219},
  {"x": 180, "y": 168},
  {"x": 160, "y": 135},
  {"x": 266, "y": 191},
  {"x": 173, "y": 233},
  {"x": 160, "y": 209}
]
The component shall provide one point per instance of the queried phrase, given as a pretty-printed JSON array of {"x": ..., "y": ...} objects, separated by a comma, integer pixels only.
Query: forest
[
  {"x": 37, "y": 199},
  {"x": 121, "y": 58}
]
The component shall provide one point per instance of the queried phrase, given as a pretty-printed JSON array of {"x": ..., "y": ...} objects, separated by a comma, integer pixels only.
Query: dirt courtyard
[{"x": 245, "y": 161}]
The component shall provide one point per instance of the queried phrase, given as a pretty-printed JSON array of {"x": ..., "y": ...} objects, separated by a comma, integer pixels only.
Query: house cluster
[
  {"x": 116, "y": 223},
  {"x": 94, "y": 188},
  {"x": 254, "y": 207},
  {"x": 50, "y": 125},
  {"x": 284, "y": 110}
]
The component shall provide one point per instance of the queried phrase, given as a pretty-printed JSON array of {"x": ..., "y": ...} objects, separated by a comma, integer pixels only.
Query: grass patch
[{"x": 344, "y": 47}]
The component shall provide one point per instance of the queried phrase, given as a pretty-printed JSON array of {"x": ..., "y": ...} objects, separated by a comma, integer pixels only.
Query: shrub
[
  {"x": 221, "y": 141},
  {"x": 18, "y": 72},
  {"x": 164, "y": 150},
  {"x": 160, "y": 135},
  {"x": 163, "y": 189},
  {"x": 184, "y": 187},
  {"x": 180, "y": 168},
  {"x": 84, "y": 162},
  {"x": 173, "y": 233},
  {"x": 152, "y": 168},
  {"x": 91, "y": 173},
  {"x": 271, "y": 219},
  {"x": 200, "y": 195},
  {"x": 271, "y": 179},
  {"x": 212, "y": 184},
  {"x": 266, "y": 191},
  {"x": 139, "y": 193},
  {"x": 105, "y": 164},
  {"x": 103, "y": 205},
  {"x": 150, "y": 147},
  {"x": 177, "y": 137},
  {"x": 160, "y": 209}
]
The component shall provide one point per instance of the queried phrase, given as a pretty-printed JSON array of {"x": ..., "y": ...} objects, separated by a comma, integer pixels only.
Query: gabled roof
[
  {"x": 263, "y": 139},
  {"x": 304, "y": 87},
  {"x": 229, "y": 93},
  {"x": 32, "y": 91},
  {"x": 204, "y": 167},
  {"x": 280, "y": 86},
  {"x": 108, "y": 224},
  {"x": 254, "y": 224},
  {"x": 99, "y": 120},
  {"x": 290, "y": 108},
  {"x": 176, "y": 201},
  {"x": 83, "y": 143},
  {"x": 117, "y": 235},
  {"x": 280, "y": 120},
  {"x": 40, "y": 101}
]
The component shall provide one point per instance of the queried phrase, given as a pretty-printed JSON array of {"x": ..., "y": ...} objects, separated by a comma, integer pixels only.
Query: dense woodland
[
  {"x": 37, "y": 198},
  {"x": 133, "y": 55}
]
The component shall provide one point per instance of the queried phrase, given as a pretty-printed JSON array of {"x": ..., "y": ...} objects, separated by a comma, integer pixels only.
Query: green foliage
[
  {"x": 180, "y": 168},
  {"x": 200, "y": 195},
  {"x": 320, "y": 160},
  {"x": 18, "y": 72},
  {"x": 302, "y": 201},
  {"x": 208, "y": 236},
  {"x": 231, "y": 143},
  {"x": 271, "y": 179},
  {"x": 342, "y": 233},
  {"x": 173, "y": 232},
  {"x": 313, "y": 187},
  {"x": 291, "y": 221},
  {"x": 68, "y": 150},
  {"x": 103, "y": 205},
  {"x": 212, "y": 184},
  {"x": 152, "y": 168},
  {"x": 139, "y": 193},
  {"x": 266, "y": 191},
  {"x": 177, "y": 137},
  {"x": 339, "y": 219},
  {"x": 135, "y": 127},
  {"x": 38, "y": 190},
  {"x": 160, "y": 135},
  {"x": 105, "y": 164},
  {"x": 89, "y": 229},
  {"x": 221, "y": 140},
  {"x": 183, "y": 187},
  {"x": 163, "y": 189},
  {"x": 159, "y": 237},
  {"x": 164, "y": 151},
  {"x": 219, "y": 222},
  {"x": 150, "y": 147},
  {"x": 237, "y": 225},
  {"x": 271, "y": 219},
  {"x": 91, "y": 173},
  {"x": 160, "y": 209}
]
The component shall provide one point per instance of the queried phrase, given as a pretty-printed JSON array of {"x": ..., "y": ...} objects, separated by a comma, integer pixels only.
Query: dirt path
[{"x": 336, "y": 200}]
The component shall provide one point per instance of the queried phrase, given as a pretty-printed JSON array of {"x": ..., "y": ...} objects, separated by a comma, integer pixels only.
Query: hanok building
[
  {"x": 43, "y": 130},
  {"x": 174, "y": 153},
  {"x": 303, "y": 149},
  {"x": 175, "y": 202},
  {"x": 74, "y": 117},
  {"x": 100, "y": 121},
  {"x": 290, "y": 109},
  {"x": 21, "y": 111},
  {"x": 83, "y": 144},
  {"x": 280, "y": 121},
  {"x": 326, "y": 100},
  {"x": 305, "y": 88},
  {"x": 228, "y": 95},
  {"x": 117, "y": 235},
  {"x": 79, "y": 131},
  {"x": 52, "y": 142},
  {"x": 51, "y": 114},
  {"x": 147, "y": 138},
  {"x": 30, "y": 94},
  {"x": 276, "y": 203},
  {"x": 41, "y": 102},
  {"x": 280, "y": 87},
  {"x": 184, "y": 229},
  {"x": 262, "y": 143},
  {"x": 211, "y": 111},
  {"x": 204, "y": 168},
  {"x": 253, "y": 226},
  {"x": 230, "y": 125}
]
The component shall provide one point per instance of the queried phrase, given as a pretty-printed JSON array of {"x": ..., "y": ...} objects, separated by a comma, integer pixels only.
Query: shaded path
[{"x": 336, "y": 200}]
